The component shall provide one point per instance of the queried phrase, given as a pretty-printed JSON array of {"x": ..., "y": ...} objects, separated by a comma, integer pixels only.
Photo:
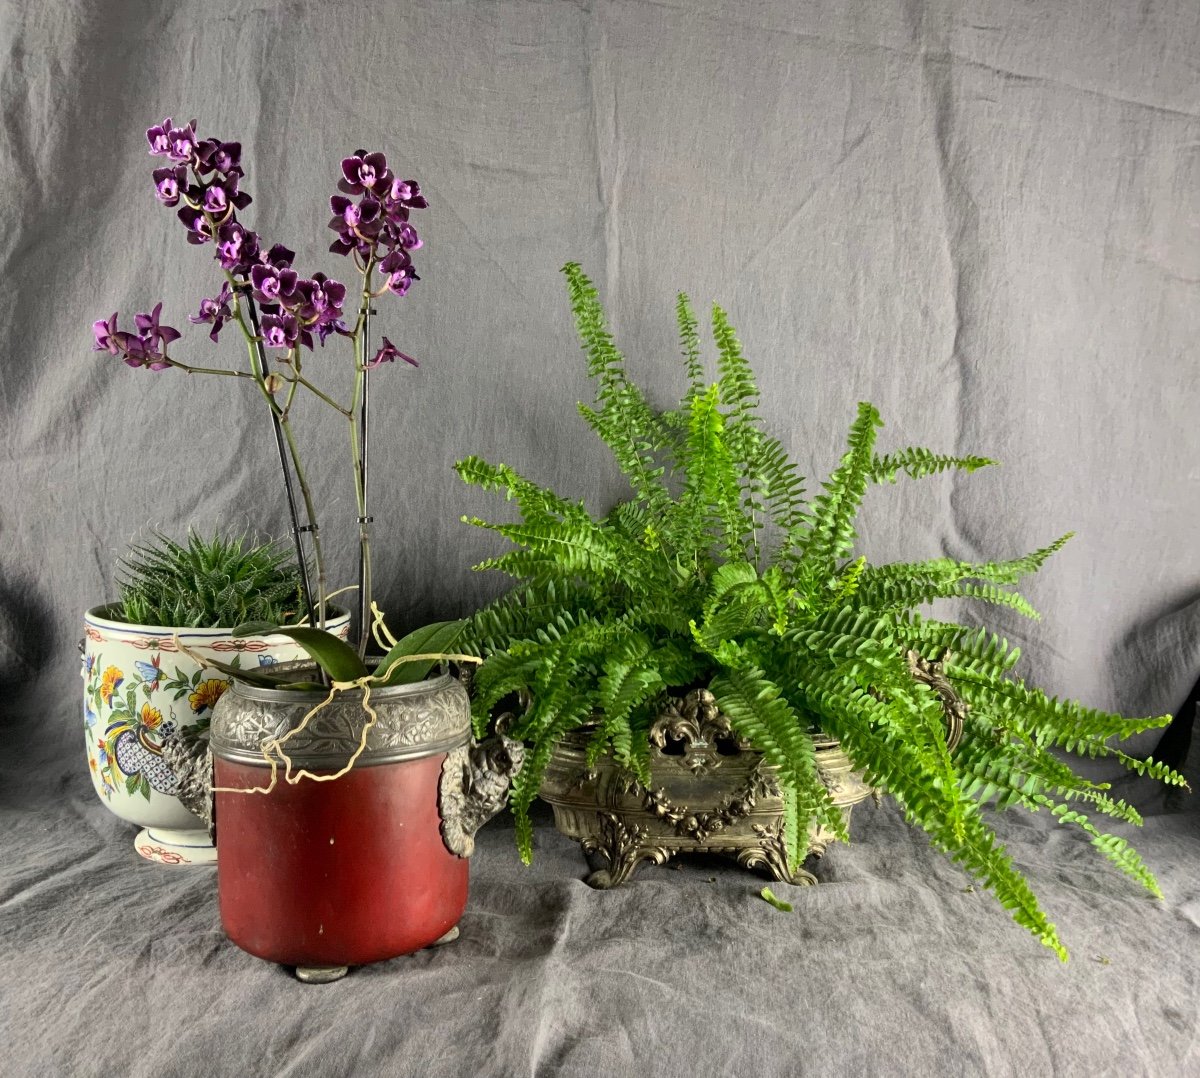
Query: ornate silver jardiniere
[{"x": 710, "y": 792}]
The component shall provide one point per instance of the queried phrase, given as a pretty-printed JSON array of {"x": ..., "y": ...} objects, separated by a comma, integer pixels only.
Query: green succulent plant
[
  {"x": 207, "y": 582},
  {"x": 720, "y": 571}
]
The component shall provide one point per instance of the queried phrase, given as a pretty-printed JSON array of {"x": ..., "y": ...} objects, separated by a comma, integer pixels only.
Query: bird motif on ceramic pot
[{"x": 135, "y": 744}]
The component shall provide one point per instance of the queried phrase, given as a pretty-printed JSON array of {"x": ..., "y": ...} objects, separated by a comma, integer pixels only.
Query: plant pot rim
[
  {"x": 410, "y": 721},
  {"x": 383, "y": 693},
  {"x": 100, "y": 617}
]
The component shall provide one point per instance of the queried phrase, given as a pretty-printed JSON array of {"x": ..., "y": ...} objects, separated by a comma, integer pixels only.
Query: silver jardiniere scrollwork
[{"x": 710, "y": 792}]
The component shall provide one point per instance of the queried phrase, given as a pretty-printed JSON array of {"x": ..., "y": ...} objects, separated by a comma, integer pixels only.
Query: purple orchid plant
[{"x": 280, "y": 312}]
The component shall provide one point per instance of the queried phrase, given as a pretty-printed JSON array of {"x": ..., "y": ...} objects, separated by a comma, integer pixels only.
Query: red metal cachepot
[{"x": 324, "y": 873}]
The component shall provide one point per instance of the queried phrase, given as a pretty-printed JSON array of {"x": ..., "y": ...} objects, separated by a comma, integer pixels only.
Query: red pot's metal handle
[
  {"x": 192, "y": 764},
  {"x": 474, "y": 787}
]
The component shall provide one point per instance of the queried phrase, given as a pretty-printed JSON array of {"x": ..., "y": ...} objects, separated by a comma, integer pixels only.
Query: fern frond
[
  {"x": 780, "y": 488},
  {"x": 973, "y": 650},
  {"x": 899, "y": 583},
  {"x": 574, "y": 548},
  {"x": 1148, "y": 767},
  {"x": 538, "y": 505},
  {"x": 736, "y": 385},
  {"x": 528, "y": 780},
  {"x": 622, "y": 418},
  {"x": 502, "y": 674},
  {"x": 689, "y": 343},
  {"x": 852, "y": 715},
  {"x": 982, "y": 855},
  {"x": 757, "y": 710},
  {"x": 987, "y": 593},
  {"x": 518, "y": 613},
  {"x": 829, "y": 518},
  {"x": 1115, "y": 849},
  {"x": 899, "y": 594},
  {"x": 711, "y": 502},
  {"x": 1046, "y": 719},
  {"x": 916, "y": 463}
]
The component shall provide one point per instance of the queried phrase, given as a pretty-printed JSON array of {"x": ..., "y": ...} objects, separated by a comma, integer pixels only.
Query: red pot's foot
[
  {"x": 449, "y": 937},
  {"x": 321, "y": 974}
]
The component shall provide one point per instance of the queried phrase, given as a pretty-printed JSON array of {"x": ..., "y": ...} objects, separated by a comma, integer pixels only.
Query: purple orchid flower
[
  {"x": 279, "y": 256},
  {"x": 141, "y": 353},
  {"x": 397, "y": 268},
  {"x": 357, "y": 224},
  {"x": 159, "y": 138},
  {"x": 154, "y": 336},
  {"x": 237, "y": 247},
  {"x": 220, "y": 197},
  {"x": 321, "y": 299},
  {"x": 181, "y": 142},
  {"x": 389, "y": 353},
  {"x": 327, "y": 326},
  {"x": 196, "y": 224},
  {"x": 215, "y": 310},
  {"x": 106, "y": 331},
  {"x": 280, "y": 330},
  {"x": 215, "y": 201},
  {"x": 406, "y": 236},
  {"x": 273, "y": 284},
  {"x": 212, "y": 155},
  {"x": 169, "y": 184},
  {"x": 407, "y": 193},
  {"x": 364, "y": 172},
  {"x": 146, "y": 348}
]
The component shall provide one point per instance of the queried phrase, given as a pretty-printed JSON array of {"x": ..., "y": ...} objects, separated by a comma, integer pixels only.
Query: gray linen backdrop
[{"x": 982, "y": 216}]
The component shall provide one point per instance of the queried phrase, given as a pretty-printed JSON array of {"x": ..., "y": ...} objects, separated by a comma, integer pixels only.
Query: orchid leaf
[
  {"x": 433, "y": 639},
  {"x": 249, "y": 676},
  {"x": 337, "y": 658}
]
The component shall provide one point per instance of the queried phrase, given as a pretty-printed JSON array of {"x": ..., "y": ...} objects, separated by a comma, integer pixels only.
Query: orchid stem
[
  {"x": 188, "y": 369},
  {"x": 323, "y": 396}
]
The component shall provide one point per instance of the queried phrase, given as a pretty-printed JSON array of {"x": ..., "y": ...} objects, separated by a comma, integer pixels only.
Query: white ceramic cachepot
[{"x": 140, "y": 691}]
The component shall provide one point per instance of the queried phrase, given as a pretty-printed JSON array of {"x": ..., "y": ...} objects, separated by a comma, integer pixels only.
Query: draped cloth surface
[{"x": 982, "y": 216}]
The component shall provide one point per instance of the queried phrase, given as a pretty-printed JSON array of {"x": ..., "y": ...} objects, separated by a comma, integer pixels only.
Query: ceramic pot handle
[{"x": 474, "y": 787}]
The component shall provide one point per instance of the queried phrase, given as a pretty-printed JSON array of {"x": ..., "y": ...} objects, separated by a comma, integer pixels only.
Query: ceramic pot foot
[
  {"x": 321, "y": 974},
  {"x": 174, "y": 847}
]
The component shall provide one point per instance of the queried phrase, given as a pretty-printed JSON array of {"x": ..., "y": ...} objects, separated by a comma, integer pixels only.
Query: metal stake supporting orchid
[
  {"x": 259, "y": 363},
  {"x": 364, "y": 520},
  {"x": 371, "y": 220}
]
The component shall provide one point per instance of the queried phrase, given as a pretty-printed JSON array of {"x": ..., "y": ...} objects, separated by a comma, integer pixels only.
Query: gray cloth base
[{"x": 892, "y": 965}]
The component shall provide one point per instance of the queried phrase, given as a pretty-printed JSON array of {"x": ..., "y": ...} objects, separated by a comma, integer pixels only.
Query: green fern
[{"x": 722, "y": 572}]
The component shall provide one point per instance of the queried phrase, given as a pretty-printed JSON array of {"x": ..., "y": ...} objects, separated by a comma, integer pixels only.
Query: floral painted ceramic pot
[{"x": 141, "y": 692}]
